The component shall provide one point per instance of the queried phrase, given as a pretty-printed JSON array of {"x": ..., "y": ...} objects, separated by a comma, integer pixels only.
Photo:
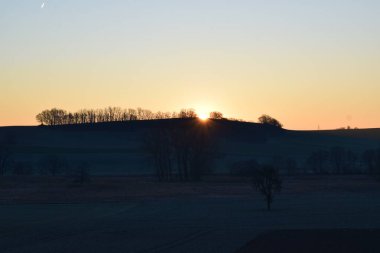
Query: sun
[{"x": 203, "y": 116}]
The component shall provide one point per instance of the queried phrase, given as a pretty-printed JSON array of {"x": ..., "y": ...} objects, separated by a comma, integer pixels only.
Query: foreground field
[
  {"x": 315, "y": 241},
  {"x": 219, "y": 215},
  {"x": 33, "y": 189}
]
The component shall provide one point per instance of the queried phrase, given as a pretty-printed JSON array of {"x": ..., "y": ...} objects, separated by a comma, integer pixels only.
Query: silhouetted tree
[
  {"x": 343, "y": 161},
  {"x": 369, "y": 160},
  {"x": 268, "y": 120},
  {"x": 52, "y": 117},
  {"x": 56, "y": 116},
  {"x": 180, "y": 140},
  {"x": 194, "y": 150},
  {"x": 337, "y": 159},
  {"x": 42, "y": 118},
  {"x": 132, "y": 114},
  {"x": 266, "y": 180},
  {"x": 158, "y": 145},
  {"x": 187, "y": 113},
  {"x": 351, "y": 163},
  {"x": 185, "y": 151},
  {"x": 216, "y": 115},
  {"x": 203, "y": 150},
  {"x": 318, "y": 161}
]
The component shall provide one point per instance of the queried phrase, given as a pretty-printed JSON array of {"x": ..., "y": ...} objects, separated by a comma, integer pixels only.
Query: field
[
  {"x": 123, "y": 208},
  {"x": 118, "y": 148},
  {"x": 318, "y": 240},
  {"x": 140, "y": 215}
]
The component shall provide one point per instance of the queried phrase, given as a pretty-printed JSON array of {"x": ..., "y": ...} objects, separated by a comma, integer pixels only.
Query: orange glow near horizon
[{"x": 203, "y": 116}]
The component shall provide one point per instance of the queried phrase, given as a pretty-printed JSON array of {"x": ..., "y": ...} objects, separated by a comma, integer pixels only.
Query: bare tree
[
  {"x": 56, "y": 116},
  {"x": 76, "y": 118},
  {"x": 179, "y": 138},
  {"x": 337, "y": 159},
  {"x": 187, "y": 113},
  {"x": 42, "y": 118},
  {"x": 266, "y": 180},
  {"x": 371, "y": 160},
  {"x": 368, "y": 160},
  {"x": 51, "y": 117},
  {"x": 132, "y": 114},
  {"x": 184, "y": 152},
  {"x": 91, "y": 116},
  {"x": 83, "y": 116},
  {"x": 70, "y": 119},
  {"x": 318, "y": 161},
  {"x": 203, "y": 149},
  {"x": 158, "y": 145},
  {"x": 216, "y": 115},
  {"x": 351, "y": 162},
  {"x": 268, "y": 120}
]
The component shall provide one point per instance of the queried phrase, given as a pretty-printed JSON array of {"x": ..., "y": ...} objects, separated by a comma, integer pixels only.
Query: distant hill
[
  {"x": 369, "y": 133},
  {"x": 117, "y": 148}
]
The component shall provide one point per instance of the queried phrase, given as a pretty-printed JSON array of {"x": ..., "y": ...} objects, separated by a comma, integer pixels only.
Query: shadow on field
[{"x": 315, "y": 241}]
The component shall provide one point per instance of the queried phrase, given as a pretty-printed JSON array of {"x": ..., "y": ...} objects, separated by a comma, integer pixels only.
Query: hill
[{"x": 117, "y": 148}]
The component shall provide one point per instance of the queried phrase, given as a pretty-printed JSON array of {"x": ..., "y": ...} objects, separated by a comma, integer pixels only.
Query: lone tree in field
[
  {"x": 266, "y": 180},
  {"x": 268, "y": 120}
]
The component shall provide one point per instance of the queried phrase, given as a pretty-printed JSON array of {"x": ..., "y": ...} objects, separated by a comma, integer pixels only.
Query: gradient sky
[{"x": 305, "y": 62}]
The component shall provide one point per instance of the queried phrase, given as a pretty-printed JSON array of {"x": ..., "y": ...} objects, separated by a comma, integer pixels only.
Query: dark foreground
[
  {"x": 315, "y": 241},
  {"x": 202, "y": 217}
]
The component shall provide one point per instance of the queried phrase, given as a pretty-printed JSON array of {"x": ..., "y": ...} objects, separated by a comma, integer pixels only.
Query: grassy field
[
  {"x": 33, "y": 189},
  {"x": 219, "y": 215},
  {"x": 316, "y": 241}
]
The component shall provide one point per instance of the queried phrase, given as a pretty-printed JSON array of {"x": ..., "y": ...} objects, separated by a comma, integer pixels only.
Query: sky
[{"x": 307, "y": 63}]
